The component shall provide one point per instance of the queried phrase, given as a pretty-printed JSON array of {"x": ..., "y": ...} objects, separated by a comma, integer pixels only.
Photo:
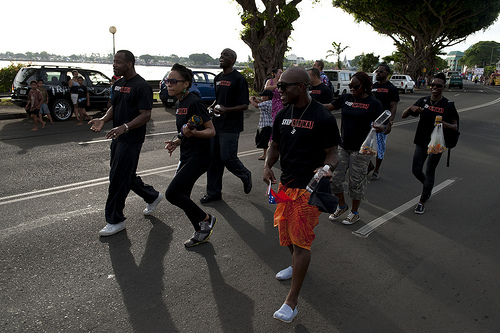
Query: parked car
[
  {"x": 404, "y": 83},
  {"x": 203, "y": 86},
  {"x": 340, "y": 80},
  {"x": 455, "y": 81},
  {"x": 56, "y": 80}
]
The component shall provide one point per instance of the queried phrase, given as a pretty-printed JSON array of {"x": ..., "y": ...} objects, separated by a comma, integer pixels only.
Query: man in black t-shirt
[
  {"x": 130, "y": 111},
  {"x": 305, "y": 138},
  {"x": 388, "y": 95},
  {"x": 319, "y": 91},
  {"x": 231, "y": 93}
]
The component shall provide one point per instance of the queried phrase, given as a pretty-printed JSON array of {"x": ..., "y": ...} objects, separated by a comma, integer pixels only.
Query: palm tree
[{"x": 337, "y": 50}]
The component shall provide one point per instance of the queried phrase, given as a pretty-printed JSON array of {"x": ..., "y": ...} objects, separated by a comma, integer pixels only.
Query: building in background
[{"x": 452, "y": 60}]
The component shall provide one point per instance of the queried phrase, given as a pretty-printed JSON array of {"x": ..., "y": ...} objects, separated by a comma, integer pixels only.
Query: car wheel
[
  {"x": 412, "y": 90},
  {"x": 62, "y": 109}
]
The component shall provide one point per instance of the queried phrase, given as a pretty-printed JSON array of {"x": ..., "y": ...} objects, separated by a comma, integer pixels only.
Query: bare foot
[
  {"x": 35, "y": 129},
  {"x": 43, "y": 124},
  {"x": 79, "y": 123},
  {"x": 262, "y": 158}
]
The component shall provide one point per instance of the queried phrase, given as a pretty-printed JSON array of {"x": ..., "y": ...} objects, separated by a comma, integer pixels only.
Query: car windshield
[
  {"x": 98, "y": 78},
  {"x": 25, "y": 75}
]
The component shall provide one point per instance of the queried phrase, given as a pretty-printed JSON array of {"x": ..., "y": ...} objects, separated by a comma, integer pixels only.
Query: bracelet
[
  {"x": 331, "y": 166},
  {"x": 126, "y": 128}
]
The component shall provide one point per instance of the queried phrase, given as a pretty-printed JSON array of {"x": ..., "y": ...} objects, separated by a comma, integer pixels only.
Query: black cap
[{"x": 267, "y": 93}]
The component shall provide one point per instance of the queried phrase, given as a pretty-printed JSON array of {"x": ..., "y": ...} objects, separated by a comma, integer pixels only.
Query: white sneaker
[
  {"x": 285, "y": 274},
  {"x": 111, "y": 229},
  {"x": 351, "y": 218},
  {"x": 150, "y": 208}
]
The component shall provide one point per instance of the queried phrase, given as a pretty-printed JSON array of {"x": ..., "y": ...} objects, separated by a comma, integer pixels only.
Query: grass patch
[{"x": 6, "y": 102}]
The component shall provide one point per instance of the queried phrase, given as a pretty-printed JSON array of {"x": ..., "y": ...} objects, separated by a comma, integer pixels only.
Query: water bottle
[
  {"x": 214, "y": 112},
  {"x": 316, "y": 179},
  {"x": 382, "y": 118}
]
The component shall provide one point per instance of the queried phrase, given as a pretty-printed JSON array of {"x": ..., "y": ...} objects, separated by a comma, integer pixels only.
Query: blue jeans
[
  {"x": 225, "y": 148},
  {"x": 427, "y": 179}
]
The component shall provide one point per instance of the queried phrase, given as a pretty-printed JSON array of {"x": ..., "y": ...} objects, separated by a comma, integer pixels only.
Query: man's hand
[
  {"x": 268, "y": 175},
  {"x": 171, "y": 145},
  {"x": 96, "y": 124}
]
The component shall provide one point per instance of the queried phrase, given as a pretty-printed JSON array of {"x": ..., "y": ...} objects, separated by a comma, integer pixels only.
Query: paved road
[{"x": 392, "y": 272}]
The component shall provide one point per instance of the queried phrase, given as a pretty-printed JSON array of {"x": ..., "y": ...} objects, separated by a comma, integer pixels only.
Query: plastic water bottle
[
  {"x": 382, "y": 118},
  {"x": 316, "y": 179}
]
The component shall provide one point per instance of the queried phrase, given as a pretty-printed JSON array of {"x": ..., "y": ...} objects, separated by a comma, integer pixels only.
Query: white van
[{"x": 340, "y": 80}]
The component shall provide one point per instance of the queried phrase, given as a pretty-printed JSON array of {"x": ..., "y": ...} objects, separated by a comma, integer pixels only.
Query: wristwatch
[{"x": 126, "y": 128}]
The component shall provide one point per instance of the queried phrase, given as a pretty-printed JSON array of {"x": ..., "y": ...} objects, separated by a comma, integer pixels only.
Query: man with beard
[
  {"x": 232, "y": 98},
  {"x": 388, "y": 95},
  {"x": 130, "y": 111},
  {"x": 305, "y": 138}
]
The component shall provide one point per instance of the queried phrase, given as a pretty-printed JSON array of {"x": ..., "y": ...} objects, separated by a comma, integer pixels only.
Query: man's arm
[
  {"x": 271, "y": 158},
  {"x": 394, "y": 109},
  {"x": 98, "y": 123},
  {"x": 237, "y": 108},
  {"x": 332, "y": 159},
  {"x": 141, "y": 119}
]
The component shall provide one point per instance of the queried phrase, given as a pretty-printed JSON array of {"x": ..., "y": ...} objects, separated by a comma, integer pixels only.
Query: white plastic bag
[
  {"x": 437, "y": 145},
  {"x": 369, "y": 146}
]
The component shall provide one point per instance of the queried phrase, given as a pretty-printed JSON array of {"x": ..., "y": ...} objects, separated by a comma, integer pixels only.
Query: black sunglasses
[
  {"x": 173, "y": 81},
  {"x": 437, "y": 85},
  {"x": 283, "y": 85},
  {"x": 354, "y": 86}
]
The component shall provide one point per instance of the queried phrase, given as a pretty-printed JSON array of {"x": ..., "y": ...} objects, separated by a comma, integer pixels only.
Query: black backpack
[{"x": 451, "y": 138}]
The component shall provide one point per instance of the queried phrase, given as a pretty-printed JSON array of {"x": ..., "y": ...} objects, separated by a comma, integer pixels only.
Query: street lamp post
[{"x": 112, "y": 29}]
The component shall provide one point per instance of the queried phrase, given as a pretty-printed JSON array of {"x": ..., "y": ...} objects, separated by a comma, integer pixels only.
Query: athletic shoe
[
  {"x": 150, "y": 208},
  {"x": 351, "y": 218},
  {"x": 210, "y": 197},
  {"x": 111, "y": 229},
  {"x": 338, "y": 212},
  {"x": 285, "y": 313},
  {"x": 247, "y": 183},
  {"x": 284, "y": 274},
  {"x": 206, "y": 228},
  {"x": 419, "y": 208},
  {"x": 375, "y": 176}
]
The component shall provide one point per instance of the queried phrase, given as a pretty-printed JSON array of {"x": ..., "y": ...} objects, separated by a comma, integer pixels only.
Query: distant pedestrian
[
  {"x": 319, "y": 91},
  {"x": 73, "y": 89},
  {"x": 265, "y": 121},
  {"x": 427, "y": 108},
  {"x": 271, "y": 84},
  {"x": 388, "y": 95},
  {"x": 195, "y": 129},
  {"x": 35, "y": 100},
  {"x": 305, "y": 138},
  {"x": 44, "y": 108},
  {"x": 232, "y": 99},
  {"x": 83, "y": 99},
  {"x": 130, "y": 111},
  {"x": 319, "y": 64}
]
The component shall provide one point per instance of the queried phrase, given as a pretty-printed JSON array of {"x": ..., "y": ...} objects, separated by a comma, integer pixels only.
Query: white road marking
[
  {"x": 107, "y": 140},
  {"x": 366, "y": 230}
]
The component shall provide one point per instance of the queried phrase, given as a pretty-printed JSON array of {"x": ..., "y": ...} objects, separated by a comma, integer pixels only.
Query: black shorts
[
  {"x": 263, "y": 136},
  {"x": 34, "y": 112}
]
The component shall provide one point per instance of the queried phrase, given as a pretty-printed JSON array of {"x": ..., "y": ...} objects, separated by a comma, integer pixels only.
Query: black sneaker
[
  {"x": 199, "y": 237},
  {"x": 247, "y": 183},
  {"x": 419, "y": 209},
  {"x": 210, "y": 197}
]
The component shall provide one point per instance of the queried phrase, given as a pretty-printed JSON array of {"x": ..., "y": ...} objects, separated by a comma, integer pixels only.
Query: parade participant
[
  {"x": 305, "y": 138},
  {"x": 232, "y": 98},
  {"x": 130, "y": 111},
  {"x": 195, "y": 129},
  {"x": 271, "y": 84},
  {"x": 427, "y": 108},
  {"x": 388, "y": 95},
  {"x": 265, "y": 128},
  {"x": 317, "y": 89},
  {"x": 359, "y": 110}
]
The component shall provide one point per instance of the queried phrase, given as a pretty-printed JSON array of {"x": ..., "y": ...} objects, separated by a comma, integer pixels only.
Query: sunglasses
[
  {"x": 173, "y": 81},
  {"x": 437, "y": 85},
  {"x": 283, "y": 86},
  {"x": 354, "y": 86}
]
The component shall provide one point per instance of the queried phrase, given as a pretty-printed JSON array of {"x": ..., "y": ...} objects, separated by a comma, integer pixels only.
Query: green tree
[
  {"x": 266, "y": 32},
  {"x": 337, "y": 51},
  {"x": 7, "y": 75},
  {"x": 147, "y": 58},
  {"x": 201, "y": 59},
  {"x": 355, "y": 61},
  {"x": 421, "y": 28},
  {"x": 481, "y": 54},
  {"x": 368, "y": 62}
]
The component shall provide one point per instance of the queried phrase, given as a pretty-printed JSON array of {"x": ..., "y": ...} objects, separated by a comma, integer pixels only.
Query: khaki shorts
[{"x": 74, "y": 98}]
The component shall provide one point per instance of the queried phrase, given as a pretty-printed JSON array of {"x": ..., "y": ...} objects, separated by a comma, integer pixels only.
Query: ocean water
[{"x": 147, "y": 72}]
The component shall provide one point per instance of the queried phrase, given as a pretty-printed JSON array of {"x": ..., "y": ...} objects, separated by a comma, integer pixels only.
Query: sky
[{"x": 183, "y": 27}]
